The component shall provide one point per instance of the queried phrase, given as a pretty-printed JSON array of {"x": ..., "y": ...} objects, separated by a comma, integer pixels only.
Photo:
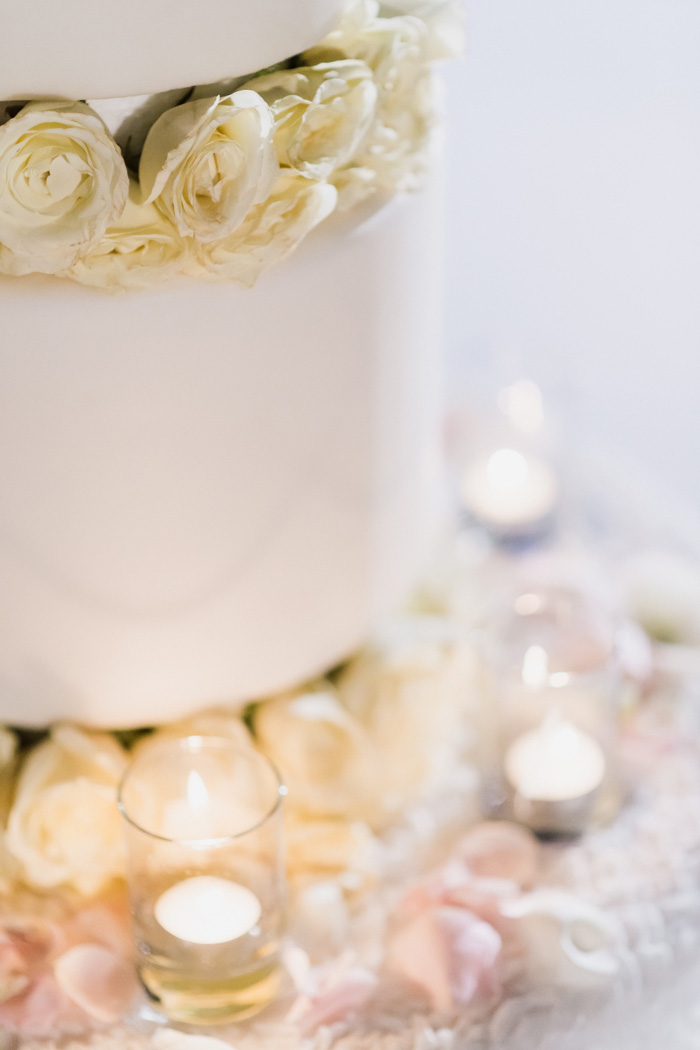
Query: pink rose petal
[
  {"x": 336, "y": 1002},
  {"x": 32, "y": 940},
  {"x": 108, "y": 924},
  {"x": 485, "y": 898},
  {"x": 497, "y": 849},
  {"x": 98, "y": 981},
  {"x": 449, "y": 953},
  {"x": 35, "y": 1012}
]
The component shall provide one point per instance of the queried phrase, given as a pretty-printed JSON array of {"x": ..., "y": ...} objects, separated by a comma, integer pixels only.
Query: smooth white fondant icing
[
  {"x": 209, "y": 493},
  {"x": 79, "y": 49}
]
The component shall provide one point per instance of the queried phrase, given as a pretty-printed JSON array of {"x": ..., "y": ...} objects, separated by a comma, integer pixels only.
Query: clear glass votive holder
[
  {"x": 203, "y": 819},
  {"x": 550, "y": 731}
]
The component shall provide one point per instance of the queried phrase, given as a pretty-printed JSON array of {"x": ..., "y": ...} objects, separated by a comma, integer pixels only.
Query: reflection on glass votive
[
  {"x": 206, "y": 878},
  {"x": 550, "y": 755}
]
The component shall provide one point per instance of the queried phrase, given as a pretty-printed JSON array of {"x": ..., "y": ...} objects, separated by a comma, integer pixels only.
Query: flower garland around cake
[{"x": 231, "y": 179}]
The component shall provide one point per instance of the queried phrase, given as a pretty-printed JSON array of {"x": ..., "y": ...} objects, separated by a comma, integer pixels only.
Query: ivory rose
[
  {"x": 409, "y": 692},
  {"x": 64, "y": 826},
  {"x": 142, "y": 249},
  {"x": 322, "y": 113},
  {"x": 207, "y": 162},
  {"x": 270, "y": 232},
  {"x": 323, "y": 753},
  {"x": 320, "y": 848},
  {"x": 63, "y": 182},
  {"x": 397, "y": 50}
]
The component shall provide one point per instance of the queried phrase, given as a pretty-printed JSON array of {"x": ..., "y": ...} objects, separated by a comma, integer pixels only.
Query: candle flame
[
  {"x": 535, "y": 666},
  {"x": 197, "y": 794}
]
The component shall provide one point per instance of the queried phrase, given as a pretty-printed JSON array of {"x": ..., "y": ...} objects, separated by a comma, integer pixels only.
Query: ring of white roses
[{"x": 221, "y": 182}]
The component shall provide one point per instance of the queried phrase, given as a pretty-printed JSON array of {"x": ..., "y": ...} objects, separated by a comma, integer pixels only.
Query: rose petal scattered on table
[
  {"x": 105, "y": 923},
  {"x": 30, "y": 939},
  {"x": 485, "y": 898},
  {"x": 101, "y": 983},
  {"x": 498, "y": 849},
  {"x": 36, "y": 1011},
  {"x": 334, "y": 1003},
  {"x": 449, "y": 953}
]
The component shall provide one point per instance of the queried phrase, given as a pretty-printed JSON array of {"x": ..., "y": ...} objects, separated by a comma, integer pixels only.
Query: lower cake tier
[{"x": 209, "y": 493}]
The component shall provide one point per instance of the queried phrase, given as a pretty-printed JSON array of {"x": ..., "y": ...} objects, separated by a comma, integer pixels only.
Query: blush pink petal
[
  {"x": 100, "y": 982},
  {"x": 32, "y": 940},
  {"x": 500, "y": 850},
  {"x": 108, "y": 924},
  {"x": 336, "y": 1003},
  {"x": 449, "y": 953},
  {"x": 37, "y": 1011}
]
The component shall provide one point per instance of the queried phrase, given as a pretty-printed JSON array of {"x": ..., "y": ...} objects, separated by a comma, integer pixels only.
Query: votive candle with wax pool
[
  {"x": 555, "y": 772},
  {"x": 511, "y": 493},
  {"x": 206, "y": 877},
  {"x": 208, "y": 910}
]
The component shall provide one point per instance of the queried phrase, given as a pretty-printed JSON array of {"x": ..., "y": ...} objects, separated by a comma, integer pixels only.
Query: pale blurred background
[{"x": 574, "y": 201}]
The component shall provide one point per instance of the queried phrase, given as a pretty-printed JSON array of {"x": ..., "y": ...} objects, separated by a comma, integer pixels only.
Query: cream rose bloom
[
  {"x": 397, "y": 50},
  {"x": 322, "y": 113},
  {"x": 207, "y": 162},
  {"x": 319, "y": 848},
  {"x": 324, "y": 755},
  {"x": 64, "y": 826},
  {"x": 270, "y": 232},
  {"x": 410, "y": 691},
  {"x": 141, "y": 250},
  {"x": 63, "y": 181}
]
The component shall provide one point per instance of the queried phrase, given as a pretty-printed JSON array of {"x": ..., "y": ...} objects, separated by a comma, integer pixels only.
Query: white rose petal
[
  {"x": 354, "y": 186},
  {"x": 445, "y": 21},
  {"x": 64, "y": 826},
  {"x": 270, "y": 232},
  {"x": 207, "y": 162},
  {"x": 141, "y": 250},
  {"x": 322, "y": 113},
  {"x": 358, "y": 14},
  {"x": 63, "y": 181}
]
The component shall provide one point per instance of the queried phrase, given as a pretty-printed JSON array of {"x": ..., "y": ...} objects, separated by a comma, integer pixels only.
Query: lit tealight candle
[
  {"x": 206, "y": 909},
  {"x": 556, "y": 772},
  {"x": 510, "y": 492}
]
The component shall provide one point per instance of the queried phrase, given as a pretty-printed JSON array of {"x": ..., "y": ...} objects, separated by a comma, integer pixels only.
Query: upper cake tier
[{"x": 115, "y": 48}]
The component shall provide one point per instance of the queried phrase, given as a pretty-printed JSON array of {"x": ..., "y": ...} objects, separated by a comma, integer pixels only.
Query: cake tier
[
  {"x": 209, "y": 493},
  {"x": 76, "y": 49}
]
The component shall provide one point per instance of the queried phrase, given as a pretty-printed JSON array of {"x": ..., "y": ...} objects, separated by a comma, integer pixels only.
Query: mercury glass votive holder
[
  {"x": 203, "y": 820},
  {"x": 550, "y": 744}
]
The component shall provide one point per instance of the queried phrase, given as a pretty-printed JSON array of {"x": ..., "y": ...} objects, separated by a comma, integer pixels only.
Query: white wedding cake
[{"x": 215, "y": 472}]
